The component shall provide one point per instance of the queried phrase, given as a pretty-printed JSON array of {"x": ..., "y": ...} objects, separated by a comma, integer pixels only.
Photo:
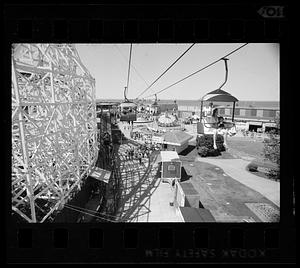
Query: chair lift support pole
[
  {"x": 201, "y": 109},
  {"x": 125, "y": 98},
  {"x": 226, "y": 72}
]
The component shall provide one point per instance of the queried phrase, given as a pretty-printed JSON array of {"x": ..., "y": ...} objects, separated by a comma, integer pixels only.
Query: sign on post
[{"x": 100, "y": 174}]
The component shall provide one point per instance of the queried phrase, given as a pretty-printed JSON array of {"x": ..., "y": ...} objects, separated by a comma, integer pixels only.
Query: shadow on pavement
[
  {"x": 184, "y": 175},
  {"x": 186, "y": 151},
  {"x": 138, "y": 181}
]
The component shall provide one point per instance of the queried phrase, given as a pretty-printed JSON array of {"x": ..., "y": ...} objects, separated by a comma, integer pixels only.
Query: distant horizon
[{"x": 184, "y": 99}]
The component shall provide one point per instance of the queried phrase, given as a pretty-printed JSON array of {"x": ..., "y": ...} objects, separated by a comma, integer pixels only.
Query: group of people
[
  {"x": 217, "y": 123},
  {"x": 139, "y": 152},
  {"x": 137, "y": 136},
  {"x": 135, "y": 153},
  {"x": 146, "y": 116}
]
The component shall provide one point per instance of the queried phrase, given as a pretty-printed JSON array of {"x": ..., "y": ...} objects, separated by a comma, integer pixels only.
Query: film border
[{"x": 151, "y": 242}]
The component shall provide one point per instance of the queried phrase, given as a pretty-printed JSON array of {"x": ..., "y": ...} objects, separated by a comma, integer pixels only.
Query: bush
[
  {"x": 205, "y": 145},
  {"x": 203, "y": 151},
  {"x": 272, "y": 149},
  {"x": 213, "y": 152},
  {"x": 274, "y": 174},
  {"x": 207, "y": 141}
]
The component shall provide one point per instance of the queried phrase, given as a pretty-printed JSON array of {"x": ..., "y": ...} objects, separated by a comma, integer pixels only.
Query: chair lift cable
[
  {"x": 129, "y": 64},
  {"x": 222, "y": 58},
  {"x": 166, "y": 70},
  {"x": 133, "y": 67}
]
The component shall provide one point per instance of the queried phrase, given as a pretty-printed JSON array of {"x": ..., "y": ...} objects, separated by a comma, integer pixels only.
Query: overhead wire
[
  {"x": 166, "y": 70},
  {"x": 133, "y": 67},
  {"x": 84, "y": 212},
  {"x": 95, "y": 212},
  {"x": 197, "y": 71},
  {"x": 129, "y": 64}
]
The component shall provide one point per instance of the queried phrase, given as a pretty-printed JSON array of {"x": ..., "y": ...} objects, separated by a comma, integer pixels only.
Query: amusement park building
[
  {"x": 176, "y": 140},
  {"x": 252, "y": 117}
]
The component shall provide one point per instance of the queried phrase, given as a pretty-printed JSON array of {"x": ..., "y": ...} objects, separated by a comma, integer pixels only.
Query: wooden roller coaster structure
[{"x": 54, "y": 128}]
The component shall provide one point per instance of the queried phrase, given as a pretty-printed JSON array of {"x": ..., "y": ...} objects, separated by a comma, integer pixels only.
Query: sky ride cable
[
  {"x": 129, "y": 64},
  {"x": 90, "y": 214},
  {"x": 222, "y": 58},
  {"x": 92, "y": 211},
  {"x": 132, "y": 66},
  {"x": 166, "y": 70}
]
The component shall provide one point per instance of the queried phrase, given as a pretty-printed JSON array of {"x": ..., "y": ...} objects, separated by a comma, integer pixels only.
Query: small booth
[
  {"x": 176, "y": 140},
  {"x": 170, "y": 166}
]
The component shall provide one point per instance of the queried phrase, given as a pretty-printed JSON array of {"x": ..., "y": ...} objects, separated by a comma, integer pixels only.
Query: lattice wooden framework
[{"x": 54, "y": 128}]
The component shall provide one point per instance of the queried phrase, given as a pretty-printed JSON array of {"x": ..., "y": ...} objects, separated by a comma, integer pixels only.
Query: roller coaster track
[{"x": 136, "y": 187}]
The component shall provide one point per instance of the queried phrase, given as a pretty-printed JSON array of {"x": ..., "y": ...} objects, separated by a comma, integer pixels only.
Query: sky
[{"x": 253, "y": 71}]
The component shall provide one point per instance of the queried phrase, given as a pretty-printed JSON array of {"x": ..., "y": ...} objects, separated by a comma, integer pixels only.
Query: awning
[
  {"x": 128, "y": 105},
  {"x": 100, "y": 174},
  {"x": 270, "y": 125},
  {"x": 254, "y": 123},
  {"x": 171, "y": 143}
]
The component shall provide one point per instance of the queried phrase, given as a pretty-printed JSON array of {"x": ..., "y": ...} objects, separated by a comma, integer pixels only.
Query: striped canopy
[
  {"x": 128, "y": 104},
  {"x": 219, "y": 95},
  {"x": 167, "y": 119}
]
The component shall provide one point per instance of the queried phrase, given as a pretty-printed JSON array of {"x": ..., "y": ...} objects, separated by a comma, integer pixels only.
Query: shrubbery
[
  {"x": 272, "y": 150},
  {"x": 205, "y": 145},
  {"x": 203, "y": 151}
]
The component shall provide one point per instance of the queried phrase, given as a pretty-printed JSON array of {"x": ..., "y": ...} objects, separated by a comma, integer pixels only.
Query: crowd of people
[
  {"x": 141, "y": 151},
  {"x": 146, "y": 115},
  {"x": 140, "y": 136}
]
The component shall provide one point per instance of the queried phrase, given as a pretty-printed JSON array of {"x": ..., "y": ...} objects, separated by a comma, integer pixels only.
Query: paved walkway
[
  {"x": 150, "y": 198},
  {"x": 159, "y": 206},
  {"x": 236, "y": 168},
  {"x": 144, "y": 197}
]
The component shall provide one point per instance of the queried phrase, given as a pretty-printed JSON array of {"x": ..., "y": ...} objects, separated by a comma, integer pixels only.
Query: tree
[{"x": 271, "y": 149}]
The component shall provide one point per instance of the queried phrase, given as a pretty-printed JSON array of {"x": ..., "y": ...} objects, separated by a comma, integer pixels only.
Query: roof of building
[
  {"x": 179, "y": 137},
  {"x": 251, "y": 108},
  {"x": 167, "y": 156}
]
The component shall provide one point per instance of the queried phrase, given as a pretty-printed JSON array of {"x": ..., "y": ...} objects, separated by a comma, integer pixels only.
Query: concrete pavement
[
  {"x": 146, "y": 199},
  {"x": 159, "y": 206},
  {"x": 154, "y": 204},
  {"x": 236, "y": 168}
]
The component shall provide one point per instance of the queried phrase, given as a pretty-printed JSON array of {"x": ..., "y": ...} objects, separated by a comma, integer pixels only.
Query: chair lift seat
[{"x": 209, "y": 126}]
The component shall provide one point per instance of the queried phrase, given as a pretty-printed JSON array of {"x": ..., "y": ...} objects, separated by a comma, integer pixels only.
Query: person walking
[
  {"x": 140, "y": 158},
  {"x": 132, "y": 153}
]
